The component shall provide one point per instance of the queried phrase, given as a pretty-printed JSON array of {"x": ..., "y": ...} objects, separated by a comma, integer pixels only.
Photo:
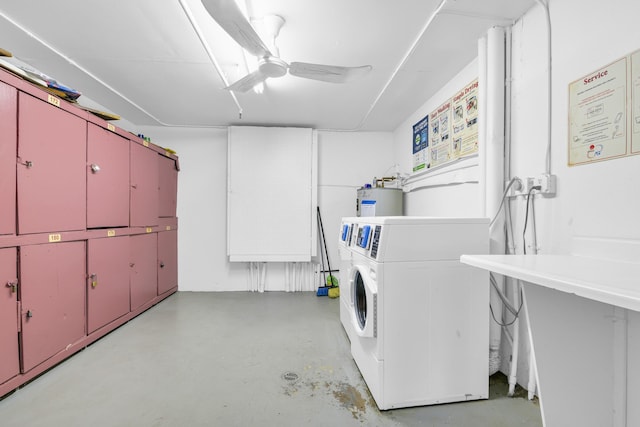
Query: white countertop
[{"x": 611, "y": 282}]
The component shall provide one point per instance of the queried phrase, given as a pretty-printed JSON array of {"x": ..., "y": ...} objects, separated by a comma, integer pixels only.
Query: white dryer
[{"x": 417, "y": 318}]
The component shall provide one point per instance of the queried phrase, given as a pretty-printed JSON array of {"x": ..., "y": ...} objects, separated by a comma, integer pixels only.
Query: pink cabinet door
[
  {"x": 144, "y": 270},
  {"x": 9, "y": 360},
  {"x": 107, "y": 178},
  {"x": 108, "y": 286},
  {"x": 52, "y": 290},
  {"x": 8, "y": 147},
  {"x": 167, "y": 261},
  {"x": 144, "y": 186},
  {"x": 52, "y": 156},
  {"x": 168, "y": 175}
]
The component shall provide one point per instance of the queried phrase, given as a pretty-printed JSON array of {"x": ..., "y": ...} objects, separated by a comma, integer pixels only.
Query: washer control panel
[{"x": 362, "y": 238}]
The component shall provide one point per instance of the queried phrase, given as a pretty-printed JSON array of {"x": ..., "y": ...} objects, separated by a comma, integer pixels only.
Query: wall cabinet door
[
  {"x": 51, "y": 168},
  {"x": 144, "y": 186},
  {"x": 144, "y": 268},
  {"x": 52, "y": 290},
  {"x": 107, "y": 178},
  {"x": 167, "y": 261},
  {"x": 8, "y": 147},
  {"x": 108, "y": 286},
  {"x": 9, "y": 360},
  {"x": 168, "y": 175}
]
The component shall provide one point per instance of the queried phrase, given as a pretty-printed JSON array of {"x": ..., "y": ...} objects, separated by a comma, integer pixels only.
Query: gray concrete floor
[{"x": 232, "y": 359}]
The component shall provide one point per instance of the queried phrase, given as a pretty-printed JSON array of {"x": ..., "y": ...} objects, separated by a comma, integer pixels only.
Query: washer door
[{"x": 364, "y": 297}]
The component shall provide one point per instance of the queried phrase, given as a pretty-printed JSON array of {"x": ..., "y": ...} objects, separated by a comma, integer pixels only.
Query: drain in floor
[{"x": 290, "y": 376}]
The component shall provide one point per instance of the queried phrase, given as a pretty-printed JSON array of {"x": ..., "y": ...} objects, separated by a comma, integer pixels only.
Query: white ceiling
[{"x": 142, "y": 59}]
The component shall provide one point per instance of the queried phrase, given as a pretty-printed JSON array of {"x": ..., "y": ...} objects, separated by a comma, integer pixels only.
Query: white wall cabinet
[{"x": 271, "y": 194}]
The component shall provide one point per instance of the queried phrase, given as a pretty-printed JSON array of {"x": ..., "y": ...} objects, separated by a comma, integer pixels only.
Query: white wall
[
  {"x": 595, "y": 200},
  {"x": 346, "y": 161}
]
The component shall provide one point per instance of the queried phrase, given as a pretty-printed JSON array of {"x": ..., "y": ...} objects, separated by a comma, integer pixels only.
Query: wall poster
[
  {"x": 598, "y": 115},
  {"x": 440, "y": 136},
  {"x": 420, "y": 144},
  {"x": 465, "y": 120},
  {"x": 453, "y": 131},
  {"x": 635, "y": 99}
]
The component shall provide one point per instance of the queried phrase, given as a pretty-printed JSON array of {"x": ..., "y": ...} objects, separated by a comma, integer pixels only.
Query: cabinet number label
[
  {"x": 168, "y": 228},
  {"x": 55, "y": 238},
  {"x": 111, "y": 127},
  {"x": 111, "y": 233},
  {"x": 53, "y": 100},
  {"x": 149, "y": 229}
]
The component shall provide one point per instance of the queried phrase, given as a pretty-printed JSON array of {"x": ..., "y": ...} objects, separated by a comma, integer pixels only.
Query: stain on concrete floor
[{"x": 321, "y": 379}]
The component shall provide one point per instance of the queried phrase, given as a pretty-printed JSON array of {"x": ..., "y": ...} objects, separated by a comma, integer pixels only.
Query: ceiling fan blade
[
  {"x": 327, "y": 73},
  {"x": 229, "y": 16},
  {"x": 248, "y": 82}
]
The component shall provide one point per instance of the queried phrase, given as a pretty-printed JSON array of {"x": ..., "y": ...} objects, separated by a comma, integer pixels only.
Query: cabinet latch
[{"x": 13, "y": 285}]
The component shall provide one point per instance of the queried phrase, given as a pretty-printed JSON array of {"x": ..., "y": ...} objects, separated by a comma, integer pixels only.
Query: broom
[{"x": 330, "y": 287}]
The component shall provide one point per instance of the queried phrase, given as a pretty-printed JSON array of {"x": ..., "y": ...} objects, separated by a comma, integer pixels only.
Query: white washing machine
[{"x": 417, "y": 319}]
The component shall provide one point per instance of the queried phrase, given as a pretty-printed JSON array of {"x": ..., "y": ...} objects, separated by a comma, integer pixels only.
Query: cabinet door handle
[
  {"x": 29, "y": 314},
  {"x": 13, "y": 285},
  {"x": 95, "y": 168},
  {"x": 161, "y": 264},
  {"x": 94, "y": 280},
  {"x": 27, "y": 163}
]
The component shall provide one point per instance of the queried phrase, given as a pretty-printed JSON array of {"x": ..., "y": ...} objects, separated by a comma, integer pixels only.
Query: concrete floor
[{"x": 232, "y": 359}]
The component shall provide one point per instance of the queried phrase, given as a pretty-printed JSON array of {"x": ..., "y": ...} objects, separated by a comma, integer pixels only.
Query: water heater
[{"x": 379, "y": 201}]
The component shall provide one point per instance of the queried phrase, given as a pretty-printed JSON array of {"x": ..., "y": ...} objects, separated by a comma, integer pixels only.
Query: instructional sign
[
  {"x": 635, "y": 97},
  {"x": 420, "y": 144},
  {"x": 449, "y": 132},
  {"x": 598, "y": 114},
  {"x": 440, "y": 135},
  {"x": 465, "y": 120}
]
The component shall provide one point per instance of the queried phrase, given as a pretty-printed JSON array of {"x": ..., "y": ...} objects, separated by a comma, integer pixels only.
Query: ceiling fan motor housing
[{"x": 272, "y": 66}]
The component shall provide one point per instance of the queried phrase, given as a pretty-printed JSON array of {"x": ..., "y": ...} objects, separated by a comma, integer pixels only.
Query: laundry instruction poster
[
  {"x": 635, "y": 100},
  {"x": 598, "y": 114},
  {"x": 465, "y": 121},
  {"x": 420, "y": 144},
  {"x": 440, "y": 147}
]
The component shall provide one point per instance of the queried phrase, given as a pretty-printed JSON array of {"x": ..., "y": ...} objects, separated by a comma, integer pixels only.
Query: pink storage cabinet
[
  {"x": 107, "y": 178},
  {"x": 167, "y": 261},
  {"x": 144, "y": 270},
  {"x": 168, "y": 196},
  {"x": 9, "y": 356},
  {"x": 8, "y": 149},
  {"x": 108, "y": 284},
  {"x": 144, "y": 186},
  {"x": 62, "y": 222},
  {"x": 51, "y": 175},
  {"x": 52, "y": 293}
]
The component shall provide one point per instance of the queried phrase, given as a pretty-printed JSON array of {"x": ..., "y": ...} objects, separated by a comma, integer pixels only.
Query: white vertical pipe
[
  {"x": 620, "y": 371},
  {"x": 515, "y": 348},
  {"x": 494, "y": 167},
  {"x": 531, "y": 386},
  {"x": 482, "y": 119}
]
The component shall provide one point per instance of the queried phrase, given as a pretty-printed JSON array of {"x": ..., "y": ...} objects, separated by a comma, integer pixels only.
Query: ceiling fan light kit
[{"x": 229, "y": 16}]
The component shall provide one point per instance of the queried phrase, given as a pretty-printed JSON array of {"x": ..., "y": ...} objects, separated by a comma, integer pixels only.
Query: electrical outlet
[
  {"x": 547, "y": 183},
  {"x": 516, "y": 187},
  {"x": 530, "y": 182}
]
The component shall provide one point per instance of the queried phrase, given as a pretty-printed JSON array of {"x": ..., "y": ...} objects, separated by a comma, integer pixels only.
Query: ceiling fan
[{"x": 229, "y": 16}]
